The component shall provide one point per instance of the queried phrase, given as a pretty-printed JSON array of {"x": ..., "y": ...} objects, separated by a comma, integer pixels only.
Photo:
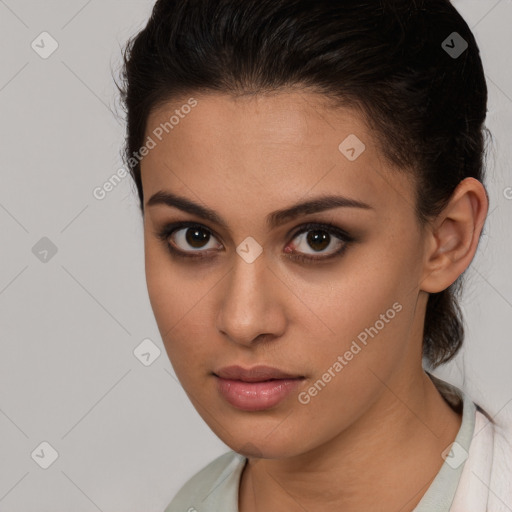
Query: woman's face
[{"x": 349, "y": 322}]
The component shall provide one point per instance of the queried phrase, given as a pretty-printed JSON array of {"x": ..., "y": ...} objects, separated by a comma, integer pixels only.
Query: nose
[{"x": 251, "y": 308}]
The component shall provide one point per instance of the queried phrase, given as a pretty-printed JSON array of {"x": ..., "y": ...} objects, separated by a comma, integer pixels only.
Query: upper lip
[{"x": 254, "y": 374}]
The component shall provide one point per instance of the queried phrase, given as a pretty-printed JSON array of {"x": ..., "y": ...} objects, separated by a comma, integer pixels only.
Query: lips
[
  {"x": 257, "y": 388},
  {"x": 255, "y": 374}
]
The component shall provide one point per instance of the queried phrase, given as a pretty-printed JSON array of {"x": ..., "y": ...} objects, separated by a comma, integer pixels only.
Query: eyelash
[{"x": 169, "y": 229}]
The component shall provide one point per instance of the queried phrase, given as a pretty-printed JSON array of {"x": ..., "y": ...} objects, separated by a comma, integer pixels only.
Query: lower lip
[{"x": 256, "y": 396}]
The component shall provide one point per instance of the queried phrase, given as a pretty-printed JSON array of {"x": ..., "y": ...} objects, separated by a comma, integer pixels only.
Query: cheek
[
  {"x": 180, "y": 303},
  {"x": 363, "y": 313},
  {"x": 159, "y": 281},
  {"x": 353, "y": 295},
  {"x": 371, "y": 323}
]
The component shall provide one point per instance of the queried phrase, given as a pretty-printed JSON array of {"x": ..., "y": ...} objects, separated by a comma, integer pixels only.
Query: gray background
[{"x": 126, "y": 435}]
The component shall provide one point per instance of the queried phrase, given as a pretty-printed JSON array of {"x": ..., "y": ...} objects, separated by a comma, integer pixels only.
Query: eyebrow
[{"x": 274, "y": 219}]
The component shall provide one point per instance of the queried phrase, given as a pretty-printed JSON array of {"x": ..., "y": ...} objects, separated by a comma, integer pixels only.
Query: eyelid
[{"x": 322, "y": 226}]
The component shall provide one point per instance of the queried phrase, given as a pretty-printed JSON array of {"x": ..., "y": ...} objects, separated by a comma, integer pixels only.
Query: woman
[{"x": 310, "y": 176}]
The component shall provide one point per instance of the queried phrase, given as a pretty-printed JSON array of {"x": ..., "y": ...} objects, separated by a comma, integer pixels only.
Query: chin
[{"x": 266, "y": 449}]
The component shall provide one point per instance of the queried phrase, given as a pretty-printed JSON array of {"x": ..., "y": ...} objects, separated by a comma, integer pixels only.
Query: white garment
[{"x": 486, "y": 481}]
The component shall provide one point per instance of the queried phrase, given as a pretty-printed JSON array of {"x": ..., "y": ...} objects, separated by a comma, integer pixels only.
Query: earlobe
[{"x": 454, "y": 235}]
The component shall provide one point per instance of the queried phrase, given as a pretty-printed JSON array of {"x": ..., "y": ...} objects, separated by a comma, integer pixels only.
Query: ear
[{"x": 452, "y": 238}]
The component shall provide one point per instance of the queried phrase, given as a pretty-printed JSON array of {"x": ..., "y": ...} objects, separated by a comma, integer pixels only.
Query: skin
[{"x": 380, "y": 424}]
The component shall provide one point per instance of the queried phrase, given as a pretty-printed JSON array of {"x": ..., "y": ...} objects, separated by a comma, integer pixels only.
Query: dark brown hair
[{"x": 394, "y": 60}]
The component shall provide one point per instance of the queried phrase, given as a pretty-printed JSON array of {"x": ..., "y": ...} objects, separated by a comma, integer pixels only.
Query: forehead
[{"x": 276, "y": 147}]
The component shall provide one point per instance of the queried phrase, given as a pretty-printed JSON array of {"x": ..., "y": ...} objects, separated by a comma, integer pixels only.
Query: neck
[{"x": 388, "y": 468}]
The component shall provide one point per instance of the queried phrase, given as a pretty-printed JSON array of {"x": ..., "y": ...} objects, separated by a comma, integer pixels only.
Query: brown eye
[
  {"x": 190, "y": 240},
  {"x": 315, "y": 241},
  {"x": 318, "y": 240},
  {"x": 196, "y": 237},
  {"x": 311, "y": 243},
  {"x": 192, "y": 237}
]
